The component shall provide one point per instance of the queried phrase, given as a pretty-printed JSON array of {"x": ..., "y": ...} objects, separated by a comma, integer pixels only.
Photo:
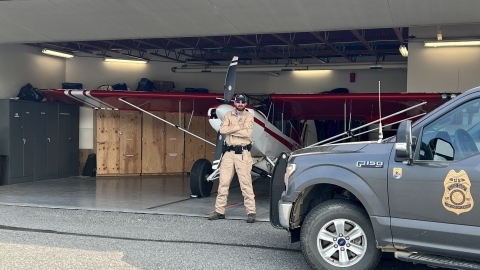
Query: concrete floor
[{"x": 168, "y": 194}]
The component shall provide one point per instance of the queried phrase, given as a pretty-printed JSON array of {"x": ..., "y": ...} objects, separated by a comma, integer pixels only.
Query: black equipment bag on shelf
[
  {"x": 28, "y": 92},
  {"x": 146, "y": 85},
  {"x": 120, "y": 86},
  {"x": 202, "y": 90},
  {"x": 337, "y": 91},
  {"x": 90, "y": 168},
  {"x": 69, "y": 85}
]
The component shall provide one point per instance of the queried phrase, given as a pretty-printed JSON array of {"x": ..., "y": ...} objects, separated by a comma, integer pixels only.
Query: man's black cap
[{"x": 239, "y": 98}]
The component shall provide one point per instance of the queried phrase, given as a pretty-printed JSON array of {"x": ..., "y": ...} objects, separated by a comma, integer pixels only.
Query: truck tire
[
  {"x": 338, "y": 234},
  {"x": 199, "y": 186}
]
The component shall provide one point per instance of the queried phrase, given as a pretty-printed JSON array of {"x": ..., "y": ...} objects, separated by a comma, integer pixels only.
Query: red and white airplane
[{"x": 268, "y": 140}]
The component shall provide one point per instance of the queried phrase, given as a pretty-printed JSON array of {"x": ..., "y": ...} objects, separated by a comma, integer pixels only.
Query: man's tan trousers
[{"x": 242, "y": 164}]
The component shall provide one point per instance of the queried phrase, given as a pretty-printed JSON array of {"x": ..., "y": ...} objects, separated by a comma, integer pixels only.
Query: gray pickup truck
[{"x": 412, "y": 194}]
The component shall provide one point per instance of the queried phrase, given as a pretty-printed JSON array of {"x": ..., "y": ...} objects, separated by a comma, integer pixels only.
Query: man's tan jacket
[{"x": 238, "y": 128}]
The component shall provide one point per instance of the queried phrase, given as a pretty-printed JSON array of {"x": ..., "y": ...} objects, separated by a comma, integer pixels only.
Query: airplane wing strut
[
  {"x": 370, "y": 130},
  {"x": 159, "y": 118},
  {"x": 366, "y": 125}
]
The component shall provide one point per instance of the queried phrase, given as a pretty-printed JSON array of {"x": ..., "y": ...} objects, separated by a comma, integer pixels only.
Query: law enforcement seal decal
[
  {"x": 397, "y": 173},
  {"x": 457, "y": 197}
]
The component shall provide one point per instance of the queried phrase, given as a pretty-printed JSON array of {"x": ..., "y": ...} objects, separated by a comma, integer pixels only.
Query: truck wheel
[
  {"x": 338, "y": 234},
  {"x": 199, "y": 186}
]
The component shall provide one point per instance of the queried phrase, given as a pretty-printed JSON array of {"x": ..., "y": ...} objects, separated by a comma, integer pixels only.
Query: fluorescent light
[
  {"x": 303, "y": 68},
  {"x": 452, "y": 43},
  {"x": 55, "y": 53},
  {"x": 403, "y": 50},
  {"x": 115, "y": 60},
  {"x": 439, "y": 32}
]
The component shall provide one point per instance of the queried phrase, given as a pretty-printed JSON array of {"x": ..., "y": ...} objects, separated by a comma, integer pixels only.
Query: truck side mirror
[{"x": 403, "y": 145}]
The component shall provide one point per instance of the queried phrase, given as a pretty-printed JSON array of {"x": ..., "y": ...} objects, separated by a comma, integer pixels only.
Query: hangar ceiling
[
  {"x": 259, "y": 31},
  {"x": 281, "y": 48}
]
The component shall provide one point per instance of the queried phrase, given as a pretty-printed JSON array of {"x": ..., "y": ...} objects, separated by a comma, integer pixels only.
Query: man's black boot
[
  {"x": 250, "y": 218},
  {"x": 216, "y": 216}
]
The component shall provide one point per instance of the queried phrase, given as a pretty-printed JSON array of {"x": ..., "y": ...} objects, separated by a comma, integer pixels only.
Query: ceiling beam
[
  {"x": 64, "y": 48},
  {"x": 167, "y": 57},
  {"x": 197, "y": 48},
  {"x": 331, "y": 46},
  {"x": 266, "y": 49},
  {"x": 128, "y": 48},
  {"x": 173, "y": 51},
  {"x": 364, "y": 42},
  {"x": 398, "y": 32},
  {"x": 234, "y": 50},
  {"x": 123, "y": 46},
  {"x": 94, "y": 46},
  {"x": 106, "y": 49},
  {"x": 68, "y": 48},
  {"x": 297, "y": 47},
  {"x": 39, "y": 45}
]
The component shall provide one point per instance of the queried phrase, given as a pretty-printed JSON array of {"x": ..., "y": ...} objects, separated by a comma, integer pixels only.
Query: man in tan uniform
[{"x": 237, "y": 125}]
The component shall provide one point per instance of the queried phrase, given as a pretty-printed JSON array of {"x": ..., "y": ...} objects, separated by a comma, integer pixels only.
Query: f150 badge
[
  {"x": 370, "y": 164},
  {"x": 457, "y": 197}
]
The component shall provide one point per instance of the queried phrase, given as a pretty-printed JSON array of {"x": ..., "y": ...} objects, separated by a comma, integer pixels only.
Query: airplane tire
[{"x": 199, "y": 185}]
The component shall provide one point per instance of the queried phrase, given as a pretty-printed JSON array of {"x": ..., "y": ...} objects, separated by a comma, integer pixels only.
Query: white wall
[
  {"x": 450, "y": 69},
  {"x": 93, "y": 72},
  {"x": 21, "y": 64},
  {"x": 86, "y": 139},
  {"x": 316, "y": 81}
]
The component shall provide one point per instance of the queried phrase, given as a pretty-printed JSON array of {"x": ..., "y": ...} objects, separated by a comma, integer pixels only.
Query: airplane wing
[
  {"x": 149, "y": 101},
  {"x": 363, "y": 106}
]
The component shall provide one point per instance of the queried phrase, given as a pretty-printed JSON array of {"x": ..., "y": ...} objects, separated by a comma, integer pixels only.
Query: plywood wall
[
  {"x": 131, "y": 142},
  {"x": 153, "y": 144},
  {"x": 210, "y": 135},
  {"x": 174, "y": 144},
  {"x": 130, "y": 134},
  {"x": 108, "y": 142},
  {"x": 194, "y": 147}
]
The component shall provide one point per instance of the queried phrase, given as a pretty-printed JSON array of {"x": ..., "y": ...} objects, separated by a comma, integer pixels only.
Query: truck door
[{"x": 435, "y": 201}]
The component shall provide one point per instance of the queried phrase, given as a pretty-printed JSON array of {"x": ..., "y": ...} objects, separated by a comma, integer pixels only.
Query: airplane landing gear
[{"x": 199, "y": 185}]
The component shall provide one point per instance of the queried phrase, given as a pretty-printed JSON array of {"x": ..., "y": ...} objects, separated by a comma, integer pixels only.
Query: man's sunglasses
[{"x": 240, "y": 101}]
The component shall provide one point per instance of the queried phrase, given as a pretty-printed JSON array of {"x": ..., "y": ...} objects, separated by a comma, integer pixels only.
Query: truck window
[{"x": 459, "y": 127}]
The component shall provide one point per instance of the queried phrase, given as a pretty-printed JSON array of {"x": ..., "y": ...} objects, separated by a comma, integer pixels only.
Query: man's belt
[{"x": 237, "y": 148}]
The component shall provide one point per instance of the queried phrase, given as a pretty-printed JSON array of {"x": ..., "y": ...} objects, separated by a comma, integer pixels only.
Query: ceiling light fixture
[
  {"x": 55, "y": 53},
  {"x": 280, "y": 68},
  {"x": 439, "y": 32},
  {"x": 116, "y": 60},
  {"x": 403, "y": 50},
  {"x": 452, "y": 43}
]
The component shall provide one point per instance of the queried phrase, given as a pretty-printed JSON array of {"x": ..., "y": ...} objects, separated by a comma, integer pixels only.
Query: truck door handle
[
  {"x": 24, "y": 141},
  {"x": 48, "y": 139}
]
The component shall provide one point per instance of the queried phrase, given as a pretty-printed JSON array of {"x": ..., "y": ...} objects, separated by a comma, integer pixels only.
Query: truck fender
[{"x": 347, "y": 179}]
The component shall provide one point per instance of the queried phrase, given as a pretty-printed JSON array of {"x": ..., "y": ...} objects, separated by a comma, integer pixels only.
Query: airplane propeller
[
  {"x": 201, "y": 169},
  {"x": 228, "y": 92},
  {"x": 229, "y": 86}
]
